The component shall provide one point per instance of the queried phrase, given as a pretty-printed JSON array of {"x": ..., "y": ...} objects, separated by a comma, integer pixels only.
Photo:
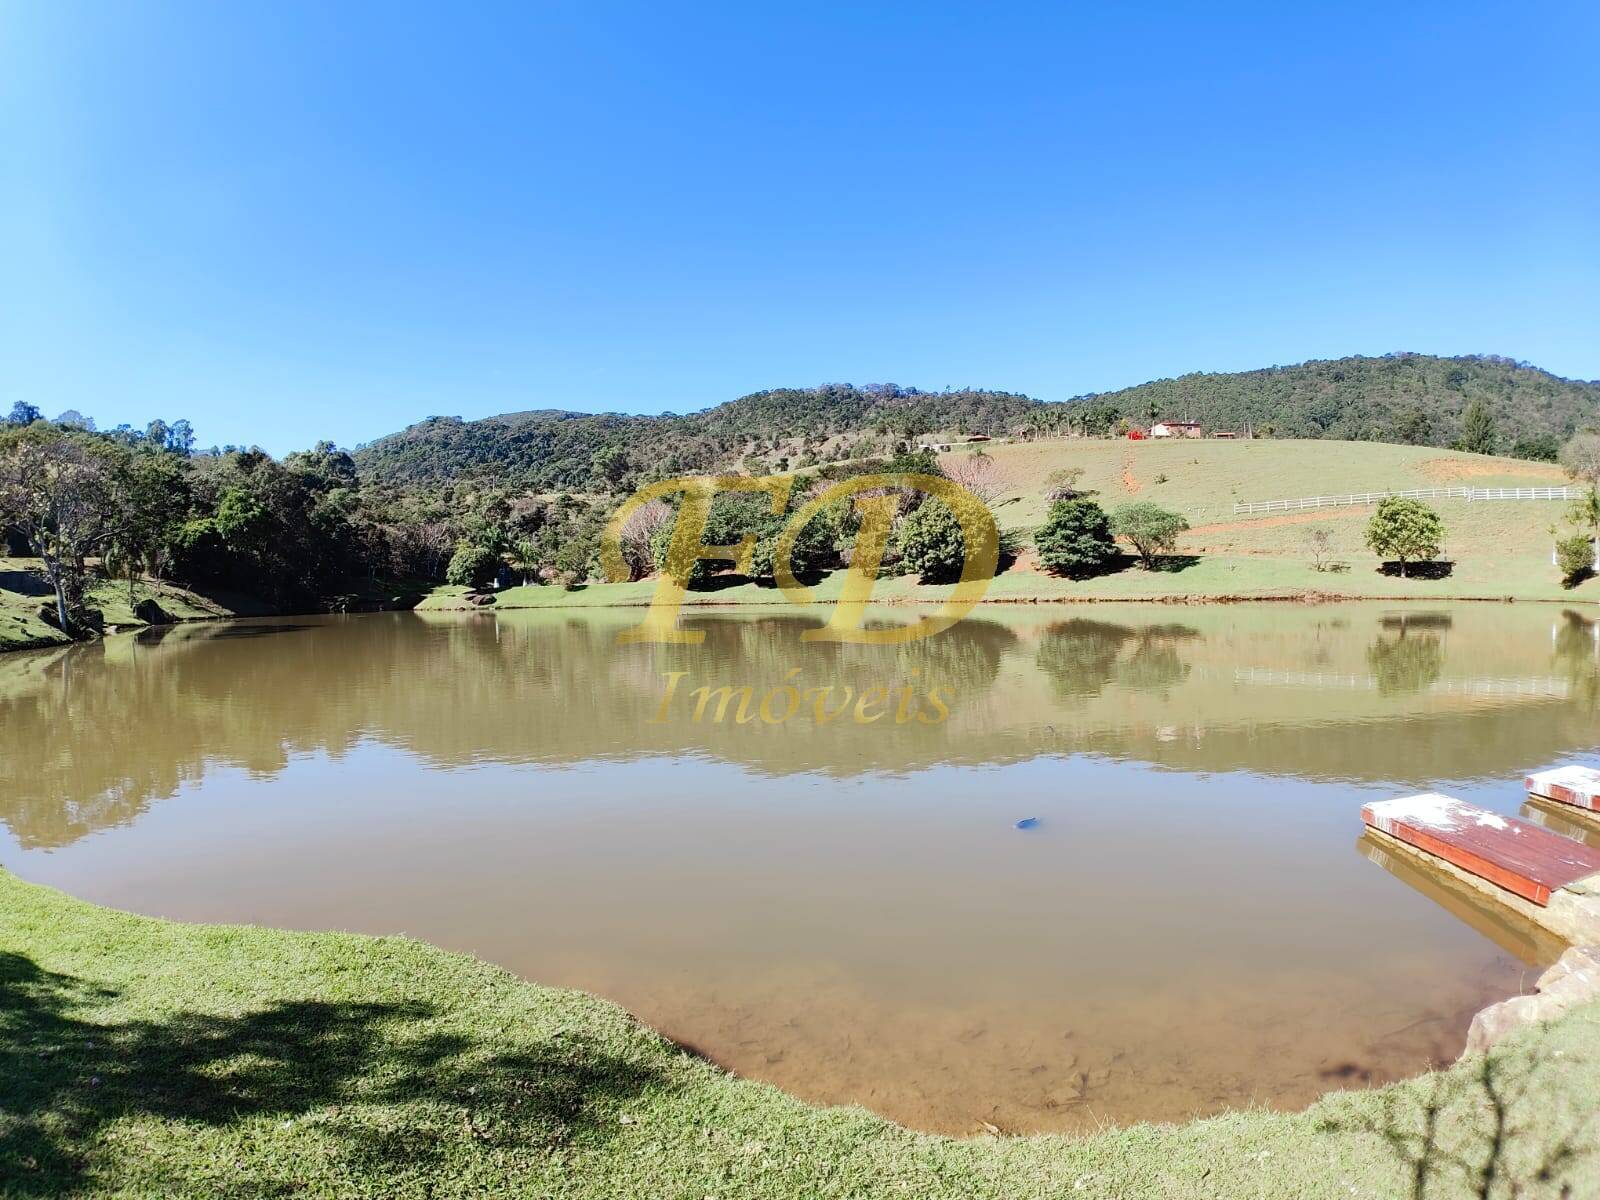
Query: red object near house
[{"x": 1136, "y": 435}]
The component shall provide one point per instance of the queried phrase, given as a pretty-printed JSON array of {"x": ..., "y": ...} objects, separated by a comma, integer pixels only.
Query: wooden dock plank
[
  {"x": 1516, "y": 855},
  {"x": 1577, "y": 786}
]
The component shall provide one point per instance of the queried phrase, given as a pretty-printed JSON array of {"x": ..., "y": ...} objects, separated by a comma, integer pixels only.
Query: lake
[{"x": 834, "y": 894}]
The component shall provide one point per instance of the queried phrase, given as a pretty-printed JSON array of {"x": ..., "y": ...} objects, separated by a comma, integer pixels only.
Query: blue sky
[{"x": 289, "y": 221}]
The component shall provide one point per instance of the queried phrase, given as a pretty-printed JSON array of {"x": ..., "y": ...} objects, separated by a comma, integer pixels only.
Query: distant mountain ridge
[{"x": 1407, "y": 398}]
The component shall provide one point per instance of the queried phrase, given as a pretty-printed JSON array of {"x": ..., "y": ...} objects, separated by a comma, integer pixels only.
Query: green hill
[
  {"x": 548, "y": 450},
  {"x": 1404, "y": 398}
]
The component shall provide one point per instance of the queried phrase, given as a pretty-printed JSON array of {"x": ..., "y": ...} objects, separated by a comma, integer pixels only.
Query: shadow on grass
[
  {"x": 1418, "y": 570},
  {"x": 25, "y": 583},
  {"x": 63, "y": 1079},
  {"x": 1488, "y": 1132},
  {"x": 1168, "y": 563},
  {"x": 730, "y": 579},
  {"x": 1570, "y": 582},
  {"x": 1173, "y": 563}
]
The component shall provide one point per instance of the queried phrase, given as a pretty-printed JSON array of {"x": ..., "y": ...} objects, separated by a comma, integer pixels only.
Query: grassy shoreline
[
  {"x": 149, "y": 1058},
  {"x": 23, "y": 590}
]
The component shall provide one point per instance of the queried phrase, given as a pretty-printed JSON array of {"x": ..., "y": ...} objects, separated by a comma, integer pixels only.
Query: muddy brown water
[{"x": 846, "y": 907}]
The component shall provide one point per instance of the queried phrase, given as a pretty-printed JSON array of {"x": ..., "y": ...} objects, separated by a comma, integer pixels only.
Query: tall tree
[
  {"x": 1150, "y": 529},
  {"x": 1477, "y": 429},
  {"x": 63, "y": 495},
  {"x": 1406, "y": 530},
  {"x": 1581, "y": 457},
  {"x": 157, "y": 497}
]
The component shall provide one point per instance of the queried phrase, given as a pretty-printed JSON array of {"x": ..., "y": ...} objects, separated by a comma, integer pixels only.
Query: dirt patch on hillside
[
  {"x": 1027, "y": 563},
  {"x": 1447, "y": 469},
  {"x": 1130, "y": 481},
  {"x": 1303, "y": 518}
]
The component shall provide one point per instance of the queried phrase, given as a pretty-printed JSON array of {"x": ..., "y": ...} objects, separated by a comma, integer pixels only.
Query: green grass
[
  {"x": 23, "y": 590},
  {"x": 147, "y": 1058},
  {"x": 1498, "y": 549}
]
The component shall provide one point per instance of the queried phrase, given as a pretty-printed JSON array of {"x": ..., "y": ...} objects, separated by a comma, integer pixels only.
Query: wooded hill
[
  {"x": 1413, "y": 399},
  {"x": 1405, "y": 398}
]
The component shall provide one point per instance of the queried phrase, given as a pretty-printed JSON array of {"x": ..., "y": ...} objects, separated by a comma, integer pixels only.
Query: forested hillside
[
  {"x": 548, "y": 450},
  {"x": 1407, "y": 398},
  {"x": 1415, "y": 399}
]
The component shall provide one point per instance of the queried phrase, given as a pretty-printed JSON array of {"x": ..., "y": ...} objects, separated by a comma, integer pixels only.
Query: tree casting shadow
[
  {"x": 1486, "y": 1133},
  {"x": 1418, "y": 570},
  {"x": 64, "y": 1078},
  {"x": 1173, "y": 563}
]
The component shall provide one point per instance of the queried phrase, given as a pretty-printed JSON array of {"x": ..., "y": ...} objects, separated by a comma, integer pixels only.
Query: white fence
[
  {"x": 1356, "y": 499},
  {"x": 1560, "y": 493}
]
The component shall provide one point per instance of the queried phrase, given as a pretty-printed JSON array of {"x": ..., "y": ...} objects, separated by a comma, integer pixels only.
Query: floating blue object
[{"x": 1028, "y": 823}]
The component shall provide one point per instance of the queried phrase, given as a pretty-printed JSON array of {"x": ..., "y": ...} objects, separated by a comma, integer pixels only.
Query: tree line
[
  {"x": 1484, "y": 404},
  {"x": 313, "y": 531}
]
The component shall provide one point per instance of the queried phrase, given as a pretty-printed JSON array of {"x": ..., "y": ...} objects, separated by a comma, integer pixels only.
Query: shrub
[
  {"x": 929, "y": 539},
  {"x": 1575, "y": 558},
  {"x": 1151, "y": 529},
  {"x": 1406, "y": 530},
  {"x": 1062, "y": 483},
  {"x": 472, "y": 565},
  {"x": 1321, "y": 544},
  {"x": 1538, "y": 447},
  {"x": 1075, "y": 539},
  {"x": 930, "y": 542},
  {"x": 574, "y": 561},
  {"x": 734, "y": 515}
]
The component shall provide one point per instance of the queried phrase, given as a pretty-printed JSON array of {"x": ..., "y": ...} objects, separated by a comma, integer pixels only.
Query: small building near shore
[
  {"x": 1171, "y": 429},
  {"x": 946, "y": 447}
]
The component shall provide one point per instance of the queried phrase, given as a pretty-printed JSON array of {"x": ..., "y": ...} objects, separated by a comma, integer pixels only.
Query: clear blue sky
[{"x": 288, "y": 221}]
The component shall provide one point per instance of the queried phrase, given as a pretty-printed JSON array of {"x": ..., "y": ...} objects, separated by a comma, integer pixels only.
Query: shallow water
[{"x": 846, "y": 908}]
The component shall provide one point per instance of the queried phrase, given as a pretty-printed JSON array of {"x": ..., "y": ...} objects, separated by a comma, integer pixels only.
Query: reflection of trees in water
[
  {"x": 760, "y": 651},
  {"x": 1414, "y": 621},
  {"x": 1407, "y": 664},
  {"x": 1577, "y": 653},
  {"x": 88, "y": 739},
  {"x": 1081, "y": 657},
  {"x": 90, "y": 735},
  {"x": 1153, "y": 667}
]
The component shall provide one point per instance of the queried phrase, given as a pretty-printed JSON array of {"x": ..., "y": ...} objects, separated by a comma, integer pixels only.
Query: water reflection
[
  {"x": 844, "y": 907},
  {"x": 1406, "y": 664},
  {"x": 1081, "y": 658},
  {"x": 1530, "y": 943},
  {"x": 90, "y": 735}
]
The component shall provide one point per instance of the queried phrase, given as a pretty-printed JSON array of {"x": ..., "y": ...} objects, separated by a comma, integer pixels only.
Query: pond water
[{"x": 846, "y": 907}]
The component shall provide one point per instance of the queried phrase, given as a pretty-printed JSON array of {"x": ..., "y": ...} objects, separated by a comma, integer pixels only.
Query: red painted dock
[
  {"x": 1577, "y": 786},
  {"x": 1521, "y": 857}
]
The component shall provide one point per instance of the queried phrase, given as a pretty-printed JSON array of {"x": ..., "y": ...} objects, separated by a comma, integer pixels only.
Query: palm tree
[{"x": 1585, "y": 512}]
